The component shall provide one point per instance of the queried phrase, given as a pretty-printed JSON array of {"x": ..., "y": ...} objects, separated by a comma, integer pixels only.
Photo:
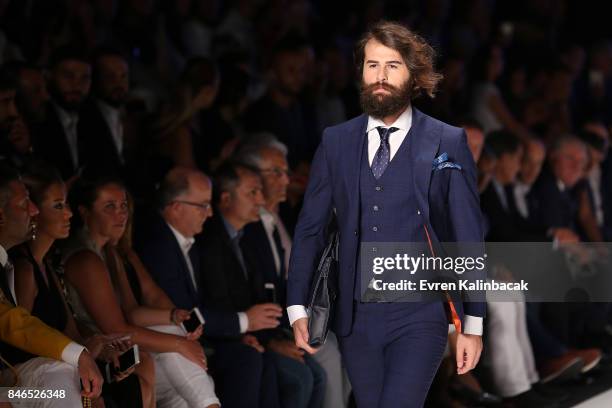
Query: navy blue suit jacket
[
  {"x": 257, "y": 247},
  {"x": 447, "y": 199},
  {"x": 161, "y": 254}
]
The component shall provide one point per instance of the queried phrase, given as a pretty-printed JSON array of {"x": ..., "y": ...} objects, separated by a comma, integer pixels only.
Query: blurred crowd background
[{"x": 143, "y": 94}]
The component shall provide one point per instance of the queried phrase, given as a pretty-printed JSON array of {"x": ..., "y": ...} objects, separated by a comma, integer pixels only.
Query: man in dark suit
[
  {"x": 165, "y": 248},
  {"x": 387, "y": 177},
  {"x": 553, "y": 203},
  {"x": 101, "y": 119},
  {"x": 57, "y": 139},
  {"x": 232, "y": 281},
  {"x": 268, "y": 244}
]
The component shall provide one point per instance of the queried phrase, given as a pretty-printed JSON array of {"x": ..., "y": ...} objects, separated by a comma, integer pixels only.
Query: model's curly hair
[{"x": 416, "y": 53}]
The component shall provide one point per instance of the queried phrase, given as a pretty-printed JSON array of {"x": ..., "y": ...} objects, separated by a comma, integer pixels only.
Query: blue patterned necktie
[{"x": 383, "y": 154}]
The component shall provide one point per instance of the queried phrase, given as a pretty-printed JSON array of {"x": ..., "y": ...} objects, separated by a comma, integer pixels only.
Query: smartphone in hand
[
  {"x": 195, "y": 320},
  {"x": 127, "y": 360},
  {"x": 270, "y": 291}
]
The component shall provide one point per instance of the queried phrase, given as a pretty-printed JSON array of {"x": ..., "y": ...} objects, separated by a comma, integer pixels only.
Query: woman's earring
[{"x": 33, "y": 229}]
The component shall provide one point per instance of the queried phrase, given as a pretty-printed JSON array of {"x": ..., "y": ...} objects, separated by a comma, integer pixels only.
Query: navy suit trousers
[{"x": 393, "y": 352}]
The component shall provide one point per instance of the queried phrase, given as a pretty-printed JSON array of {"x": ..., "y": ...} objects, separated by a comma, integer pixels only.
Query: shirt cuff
[
  {"x": 71, "y": 353},
  {"x": 243, "y": 320},
  {"x": 296, "y": 312},
  {"x": 472, "y": 325}
]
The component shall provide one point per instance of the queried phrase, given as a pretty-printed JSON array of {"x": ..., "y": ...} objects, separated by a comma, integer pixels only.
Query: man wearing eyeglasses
[{"x": 167, "y": 249}]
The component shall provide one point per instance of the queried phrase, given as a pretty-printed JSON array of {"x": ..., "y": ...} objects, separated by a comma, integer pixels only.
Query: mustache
[{"x": 377, "y": 85}]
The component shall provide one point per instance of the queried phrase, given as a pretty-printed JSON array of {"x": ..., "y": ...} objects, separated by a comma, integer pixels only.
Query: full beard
[{"x": 380, "y": 106}]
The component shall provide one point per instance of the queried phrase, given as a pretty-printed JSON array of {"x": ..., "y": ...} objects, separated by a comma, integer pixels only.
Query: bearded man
[{"x": 392, "y": 174}]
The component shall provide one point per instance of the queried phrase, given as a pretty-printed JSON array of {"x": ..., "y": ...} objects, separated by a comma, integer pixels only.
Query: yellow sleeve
[{"x": 22, "y": 330}]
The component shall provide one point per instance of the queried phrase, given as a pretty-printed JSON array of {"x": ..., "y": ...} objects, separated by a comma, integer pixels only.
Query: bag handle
[{"x": 454, "y": 315}]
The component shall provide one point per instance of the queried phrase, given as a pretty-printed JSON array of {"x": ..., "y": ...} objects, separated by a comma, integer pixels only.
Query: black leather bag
[{"x": 324, "y": 293}]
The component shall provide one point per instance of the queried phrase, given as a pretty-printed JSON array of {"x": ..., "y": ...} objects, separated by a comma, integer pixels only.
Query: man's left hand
[{"x": 469, "y": 347}]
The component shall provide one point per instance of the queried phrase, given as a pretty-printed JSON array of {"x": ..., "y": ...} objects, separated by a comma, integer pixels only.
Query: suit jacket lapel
[
  {"x": 426, "y": 145},
  {"x": 355, "y": 143},
  {"x": 184, "y": 267}
]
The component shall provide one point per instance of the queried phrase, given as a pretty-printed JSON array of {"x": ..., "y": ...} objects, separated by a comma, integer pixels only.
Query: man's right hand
[
  {"x": 91, "y": 379},
  {"x": 264, "y": 316},
  {"x": 300, "y": 332},
  {"x": 565, "y": 235}
]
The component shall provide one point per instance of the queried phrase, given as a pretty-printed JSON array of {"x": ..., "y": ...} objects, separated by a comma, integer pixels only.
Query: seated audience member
[
  {"x": 165, "y": 248},
  {"x": 32, "y": 94},
  {"x": 99, "y": 284},
  {"x": 488, "y": 105},
  {"x": 475, "y": 137},
  {"x": 268, "y": 244},
  {"x": 177, "y": 129},
  {"x": 553, "y": 204},
  {"x": 603, "y": 204},
  {"x": 58, "y": 138},
  {"x": 102, "y": 118},
  {"x": 589, "y": 190},
  {"x": 15, "y": 140},
  {"x": 497, "y": 200},
  {"x": 230, "y": 283},
  {"x": 39, "y": 290},
  {"x": 281, "y": 110},
  {"x": 20, "y": 329}
]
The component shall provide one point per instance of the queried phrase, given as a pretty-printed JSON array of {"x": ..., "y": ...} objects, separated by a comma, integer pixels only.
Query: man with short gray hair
[{"x": 270, "y": 244}]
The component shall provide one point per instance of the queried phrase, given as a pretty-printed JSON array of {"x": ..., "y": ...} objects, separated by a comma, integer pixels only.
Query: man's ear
[
  {"x": 83, "y": 212},
  {"x": 224, "y": 199}
]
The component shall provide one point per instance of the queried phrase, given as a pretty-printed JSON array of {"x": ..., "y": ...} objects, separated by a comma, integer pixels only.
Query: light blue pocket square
[{"x": 442, "y": 162}]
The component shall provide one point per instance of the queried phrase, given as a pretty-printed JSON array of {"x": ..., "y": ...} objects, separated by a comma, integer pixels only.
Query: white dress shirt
[
  {"x": 285, "y": 240},
  {"x": 69, "y": 121},
  {"x": 520, "y": 195},
  {"x": 594, "y": 178},
  {"x": 402, "y": 123},
  {"x": 269, "y": 223},
  {"x": 501, "y": 193},
  {"x": 112, "y": 116},
  {"x": 185, "y": 244},
  {"x": 72, "y": 351},
  {"x": 471, "y": 324}
]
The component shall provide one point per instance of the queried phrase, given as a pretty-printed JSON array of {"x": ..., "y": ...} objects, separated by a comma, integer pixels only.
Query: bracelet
[{"x": 172, "y": 317}]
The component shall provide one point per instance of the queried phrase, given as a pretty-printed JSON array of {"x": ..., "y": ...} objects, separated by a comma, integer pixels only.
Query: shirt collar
[
  {"x": 184, "y": 242},
  {"x": 65, "y": 117},
  {"x": 562, "y": 187},
  {"x": 267, "y": 218},
  {"x": 231, "y": 231},
  {"x": 522, "y": 187},
  {"x": 3, "y": 256},
  {"x": 403, "y": 122},
  {"x": 107, "y": 109}
]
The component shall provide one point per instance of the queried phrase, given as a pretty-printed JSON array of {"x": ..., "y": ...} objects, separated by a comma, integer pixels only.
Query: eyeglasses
[
  {"x": 203, "y": 206},
  {"x": 277, "y": 172}
]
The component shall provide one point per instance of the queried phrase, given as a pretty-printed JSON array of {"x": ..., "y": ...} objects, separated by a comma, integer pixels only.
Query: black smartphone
[
  {"x": 270, "y": 290},
  {"x": 194, "y": 321},
  {"x": 127, "y": 360}
]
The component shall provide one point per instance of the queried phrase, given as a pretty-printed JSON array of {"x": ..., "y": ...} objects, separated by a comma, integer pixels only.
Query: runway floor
[
  {"x": 603, "y": 400},
  {"x": 594, "y": 391}
]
